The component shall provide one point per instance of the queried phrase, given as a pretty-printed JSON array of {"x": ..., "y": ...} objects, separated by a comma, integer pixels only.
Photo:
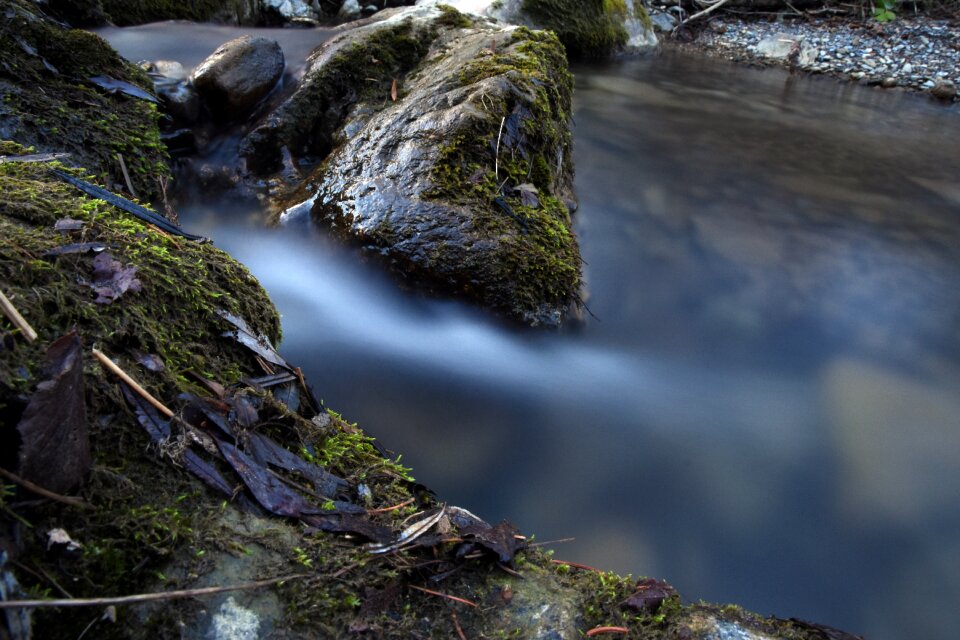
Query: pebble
[{"x": 915, "y": 52}]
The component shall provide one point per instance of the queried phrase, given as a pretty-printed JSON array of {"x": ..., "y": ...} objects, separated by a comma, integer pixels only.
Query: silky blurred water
[{"x": 764, "y": 407}]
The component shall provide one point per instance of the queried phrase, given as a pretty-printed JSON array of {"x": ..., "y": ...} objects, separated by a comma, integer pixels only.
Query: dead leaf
[
  {"x": 244, "y": 411},
  {"x": 156, "y": 426},
  {"x": 111, "y": 280},
  {"x": 500, "y": 539},
  {"x": 79, "y": 247},
  {"x": 528, "y": 195},
  {"x": 267, "y": 452},
  {"x": 393, "y": 90},
  {"x": 56, "y": 447},
  {"x": 349, "y": 523},
  {"x": 112, "y": 85},
  {"x": 257, "y": 343},
  {"x": 408, "y": 535},
  {"x": 270, "y": 491},
  {"x": 649, "y": 595},
  {"x": 207, "y": 472},
  {"x": 149, "y": 361}
]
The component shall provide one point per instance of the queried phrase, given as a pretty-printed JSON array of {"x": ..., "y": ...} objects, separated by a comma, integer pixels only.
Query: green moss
[
  {"x": 60, "y": 111},
  {"x": 587, "y": 28},
  {"x": 360, "y": 71},
  {"x": 537, "y": 261},
  {"x": 450, "y": 17}
]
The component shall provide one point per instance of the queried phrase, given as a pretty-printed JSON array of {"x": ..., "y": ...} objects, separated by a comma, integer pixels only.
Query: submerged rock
[
  {"x": 241, "y": 72},
  {"x": 458, "y": 173}
]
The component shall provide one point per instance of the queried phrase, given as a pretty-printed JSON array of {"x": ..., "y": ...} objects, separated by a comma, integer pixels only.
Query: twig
[
  {"x": 596, "y": 631},
  {"x": 126, "y": 176},
  {"x": 393, "y": 508},
  {"x": 11, "y": 312},
  {"x": 456, "y": 624},
  {"x": 496, "y": 155},
  {"x": 577, "y": 565},
  {"x": 113, "y": 368},
  {"x": 713, "y": 7},
  {"x": 40, "y": 491},
  {"x": 443, "y": 595},
  {"x": 144, "y": 597},
  {"x": 546, "y": 542}
]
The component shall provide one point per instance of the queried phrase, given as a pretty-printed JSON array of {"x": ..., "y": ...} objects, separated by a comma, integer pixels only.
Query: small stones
[{"x": 916, "y": 53}]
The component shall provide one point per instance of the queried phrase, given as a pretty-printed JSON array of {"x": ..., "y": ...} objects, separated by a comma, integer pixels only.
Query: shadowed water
[{"x": 766, "y": 408}]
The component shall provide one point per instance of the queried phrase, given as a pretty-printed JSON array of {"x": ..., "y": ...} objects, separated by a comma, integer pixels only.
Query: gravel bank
[{"x": 915, "y": 52}]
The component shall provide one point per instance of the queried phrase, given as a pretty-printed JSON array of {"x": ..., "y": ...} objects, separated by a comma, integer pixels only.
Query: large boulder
[
  {"x": 455, "y": 166},
  {"x": 240, "y": 73}
]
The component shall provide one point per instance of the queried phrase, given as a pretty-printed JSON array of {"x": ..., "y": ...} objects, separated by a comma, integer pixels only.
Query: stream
[{"x": 763, "y": 406}]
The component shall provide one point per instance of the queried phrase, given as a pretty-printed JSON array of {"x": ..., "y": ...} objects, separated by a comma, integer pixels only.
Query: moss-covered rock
[
  {"x": 64, "y": 111},
  {"x": 587, "y": 28},
  {"x": 451, "y": 156}
]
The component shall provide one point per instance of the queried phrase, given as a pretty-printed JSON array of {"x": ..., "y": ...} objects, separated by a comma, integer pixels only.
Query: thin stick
[
  {"x": 126, "y": 176},
  {"x": 456, "y": 624},
  {"x": 713, "y": 7},
  {"x": 576, "y": 565},
  {"x": 11, "y": 312},
  {"x": 443, "y": 595},
  {"x": 113, "y": 368},
  {"x": 393, "y": 508},
  {"x": 144, "y": 597},
  {"x": 40, "y": 491},
  {"x": 546, "y": 542},
  {"x": 598, "y": 630},
  {"x": 496, "y": 155}
]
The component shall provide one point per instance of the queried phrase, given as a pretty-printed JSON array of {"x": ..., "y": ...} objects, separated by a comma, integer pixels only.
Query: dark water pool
[{"x": 766, "y": 408}]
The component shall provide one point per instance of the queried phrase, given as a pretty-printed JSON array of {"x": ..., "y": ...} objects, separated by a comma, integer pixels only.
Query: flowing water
[{"x": 765, "y": 407}]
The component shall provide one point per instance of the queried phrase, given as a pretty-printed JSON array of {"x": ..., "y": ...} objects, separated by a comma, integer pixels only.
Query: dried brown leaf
[
  {"x": 56, "y": 447},
  {"x": 111, "y": 279},
  {"x": 649, "y": 595}
]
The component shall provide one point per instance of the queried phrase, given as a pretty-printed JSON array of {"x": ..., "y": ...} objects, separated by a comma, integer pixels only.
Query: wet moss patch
[
  {"x": 353, "y": 70},
  {"x": 47, "y": 101},
  {"x": 587, "y": 28},
  {"x": 489, "y": 166}
]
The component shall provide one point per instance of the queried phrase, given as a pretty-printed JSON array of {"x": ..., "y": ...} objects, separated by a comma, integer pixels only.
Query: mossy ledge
[
  {"x": 151, "y": 526},
  {"x": 64, "y": 111}
]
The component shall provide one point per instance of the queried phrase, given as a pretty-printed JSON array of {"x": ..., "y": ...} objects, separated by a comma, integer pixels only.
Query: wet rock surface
[
  {"x": 453, "y": 164},
  {"x": 912, "y": 52},
  {"x": 238, "y": 75}
]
